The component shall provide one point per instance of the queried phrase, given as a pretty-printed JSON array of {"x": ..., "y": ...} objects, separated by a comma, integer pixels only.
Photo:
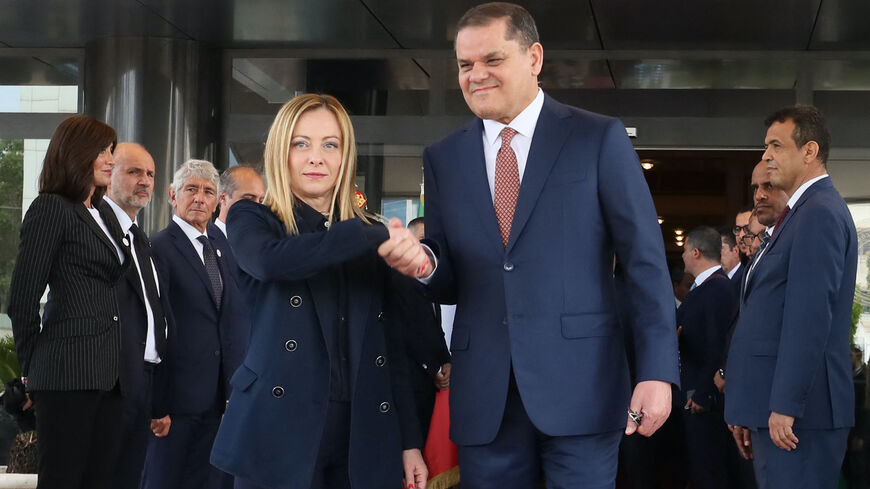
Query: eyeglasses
[
  {"x": 749, "y": 238},
  {"x": 736, "y": 229}
]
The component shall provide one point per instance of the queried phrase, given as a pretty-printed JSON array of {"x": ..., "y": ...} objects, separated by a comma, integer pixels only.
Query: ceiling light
[
  {"x": 661, "y": 220},
  {"x": 647, "y": 163},
  {"x": 678, "y": 232}
]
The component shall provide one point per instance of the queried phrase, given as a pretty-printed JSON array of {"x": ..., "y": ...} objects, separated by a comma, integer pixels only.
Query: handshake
[{"x": 404, "y": 252}]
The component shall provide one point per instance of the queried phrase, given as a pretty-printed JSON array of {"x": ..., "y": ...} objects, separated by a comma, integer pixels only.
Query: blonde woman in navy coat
[{"x": 322, "y": 399}]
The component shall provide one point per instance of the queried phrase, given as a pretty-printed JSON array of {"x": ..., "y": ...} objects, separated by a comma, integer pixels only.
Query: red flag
[{"x": 440, "y": 453}]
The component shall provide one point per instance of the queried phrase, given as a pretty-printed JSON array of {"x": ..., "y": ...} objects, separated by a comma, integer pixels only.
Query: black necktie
[
  {"x": 143, "y": 254},
  {"x": 211, "y": 267}
]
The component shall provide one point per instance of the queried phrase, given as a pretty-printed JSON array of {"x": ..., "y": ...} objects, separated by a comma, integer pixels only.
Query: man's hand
[
  {"x": 781, "y": 432},
  {"x": 416, "y": 473},
  {"x": 694, "y": 407},
  {"x": 28, "y": 402},
  {"x": 442, "y": 378},
  {"x": 719, "y": 381},
  {"x": 743, "y": 439},
  {"x": 403, "y": 252},
  {"x": 160, "y": 427},
  {"x": 652, "y": 398}
]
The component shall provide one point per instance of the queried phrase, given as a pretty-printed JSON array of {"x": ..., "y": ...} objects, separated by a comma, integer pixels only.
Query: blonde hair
[{"x": 276, "y": 158}]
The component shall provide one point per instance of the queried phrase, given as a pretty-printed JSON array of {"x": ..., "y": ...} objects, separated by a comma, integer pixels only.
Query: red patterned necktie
[
  {"x": 781, "y": 218},
  {"x": 507, "y": 184}
]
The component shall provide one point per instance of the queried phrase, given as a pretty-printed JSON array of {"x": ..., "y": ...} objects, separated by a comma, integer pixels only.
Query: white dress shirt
[
  {"x": 705, "y": 275},
  {"x": 524, "y": 124},
  {"x": 99, "y": 219},
  {"x": 124, "y": 220},
  {"x": 221, "y": 225},
  {"x": 734, "y": 270},
  {"x": 192, "y": 234}
]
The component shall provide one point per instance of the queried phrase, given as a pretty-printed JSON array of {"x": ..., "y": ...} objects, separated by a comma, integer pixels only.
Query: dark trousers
[
  {"x": 330, "y": 470},
  {"x": 657, "y": 462},
  {"x": 181, "y": 459},
  {"x": 135, "y": 432},
  {"x": 520, "y": 452},
  {"x": 814, "y": 464},
  {"x": 78, "y": 436},
  {"x": 424, "y": 398},
  {"x": 707, "y": 442}
]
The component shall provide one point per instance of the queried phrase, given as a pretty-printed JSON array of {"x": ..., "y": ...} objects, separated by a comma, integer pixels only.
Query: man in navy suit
[
  {"x": 789, "y": 374},
  {"x": 703, "y": 321},
  {"x": 208, "y": 341},
  {"x": 524, "y": 223},
  {"x": 143, "y": 320}
]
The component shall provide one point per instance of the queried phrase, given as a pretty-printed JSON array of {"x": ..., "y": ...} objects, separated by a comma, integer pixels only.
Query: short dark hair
[
  {"x": 727, "y": 235},
  {"x": 520, "y": 24},
  {"x": 706, "y": 240},
  {"x": 68, "y": 167},
  {"x": 417, "y": 221},
  {"x": 809, "y": 125}
]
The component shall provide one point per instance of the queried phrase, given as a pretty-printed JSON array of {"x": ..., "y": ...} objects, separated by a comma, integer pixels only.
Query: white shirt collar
[
  {"x": 734, "y": 270},
  {"x": 705, "y": 274},
  {"x": 123, "y": 218},
  {"x": 221, "y": 225},
  {"x": 524, "y": 123},
  {"x": 803, "y": 188},
  {"x": 191, "y": 232}
]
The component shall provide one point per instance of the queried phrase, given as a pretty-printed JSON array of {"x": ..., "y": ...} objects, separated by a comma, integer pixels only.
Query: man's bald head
[
  {"x": 237, "y": 183},
  {"x": 132, "y": 182}
]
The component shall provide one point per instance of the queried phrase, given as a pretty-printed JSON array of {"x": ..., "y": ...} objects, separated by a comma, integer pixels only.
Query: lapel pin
[
  {"x": 219, "y": 253},
  {"x": 126, "y": 242}
]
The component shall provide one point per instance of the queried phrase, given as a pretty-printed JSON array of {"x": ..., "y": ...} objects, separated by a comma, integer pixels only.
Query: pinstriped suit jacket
[{"x": 78, "y": 346}]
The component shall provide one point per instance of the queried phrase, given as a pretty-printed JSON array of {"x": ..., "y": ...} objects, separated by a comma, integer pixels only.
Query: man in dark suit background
[
  {"x": 143, "y": 322},
  {"x": 428, "y": 356},
  {"x": 210, "y": 327},
  {"x": 237, "y": 183},
  {"x": 703, "y": 321},
  {"x": 540, "y": 378},
  {"x": 789, "y": 375}
]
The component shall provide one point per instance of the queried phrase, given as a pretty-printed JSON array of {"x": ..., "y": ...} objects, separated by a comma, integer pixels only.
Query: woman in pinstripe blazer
[{"x": 69, "y": 359}]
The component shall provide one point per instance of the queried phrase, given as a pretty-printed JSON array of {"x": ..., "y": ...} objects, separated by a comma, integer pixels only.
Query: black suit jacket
[
  {"x": 706, "y": 315},
  {"x": 78, "y": 348},
  {"x": 134, "y": 328},
  {"x": 422, "y": 333},
  {"x": 206, "y": 343}
]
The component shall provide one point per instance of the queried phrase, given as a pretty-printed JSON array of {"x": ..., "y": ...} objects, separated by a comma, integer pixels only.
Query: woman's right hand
[{"x": 404, "y": 252}]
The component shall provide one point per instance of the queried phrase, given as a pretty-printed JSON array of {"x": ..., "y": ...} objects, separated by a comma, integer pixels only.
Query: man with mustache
[
  {"x": 769, "y": 200},
  {"x": 789, "y": 374},
  {"x": 208, "y": 340}
]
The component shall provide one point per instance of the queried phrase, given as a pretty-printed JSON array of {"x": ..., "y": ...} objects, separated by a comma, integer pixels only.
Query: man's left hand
[
  {"x": 781, "y": 432},
  {"x": 652, "y": 398},
  {"x": 694, "y": 407},
  {"x": 442, "y": 378}
]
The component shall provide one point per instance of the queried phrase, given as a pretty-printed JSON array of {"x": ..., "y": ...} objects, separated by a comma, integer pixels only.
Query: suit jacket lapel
[
  {"x": 822, "y": 184},
  {"x": 185, "y": 247},
  {"x": 473, "y": 172},
  {"x": 120, "y": 236},
  {"x": 86, "y": 216},
  {"x": 547, "y": 142}
]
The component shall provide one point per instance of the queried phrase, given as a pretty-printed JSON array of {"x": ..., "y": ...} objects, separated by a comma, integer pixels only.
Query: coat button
[
  {"x": 114, "y": 318},
  {"x": 277, "y": 391},
  {"x": 508, "y": 267},
  {"x": 217, "y": 353},
  {"x": 380, "y": 361},
  {"x": 290, "y": 345},
  {"x": 384, "y": 408},
  {"x": 295, "y": 301},
  {"x": 425, "y": 367}
]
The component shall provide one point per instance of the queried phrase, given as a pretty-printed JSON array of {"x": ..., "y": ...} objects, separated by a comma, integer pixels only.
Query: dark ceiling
[{"x": 792, "y": 25}]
